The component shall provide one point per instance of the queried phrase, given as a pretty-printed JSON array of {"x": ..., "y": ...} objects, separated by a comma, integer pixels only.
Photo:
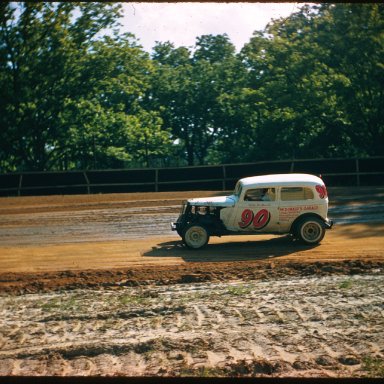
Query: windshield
[
  {"x": 238, "y": 188},
  {"x": 183, "y": 207}
]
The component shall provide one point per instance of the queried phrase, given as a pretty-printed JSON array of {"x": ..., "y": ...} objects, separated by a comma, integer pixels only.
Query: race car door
[{"x": 257, "y": 211}]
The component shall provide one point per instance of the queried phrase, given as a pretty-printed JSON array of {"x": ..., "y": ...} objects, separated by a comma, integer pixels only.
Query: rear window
[{"x": 296, "y": 193}]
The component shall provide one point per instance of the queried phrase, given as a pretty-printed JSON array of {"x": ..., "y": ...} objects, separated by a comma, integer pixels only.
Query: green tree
[
  {"x": 40, "y": 47},
  {"x": 310, "y": 85},
  {"x": 353, "y": 36},
  {"x": 189, "y": 86},
  {"x": 72, "y": 98},
  {"x": 316, "y": 83},
  {"x": 109, "y": 126}
]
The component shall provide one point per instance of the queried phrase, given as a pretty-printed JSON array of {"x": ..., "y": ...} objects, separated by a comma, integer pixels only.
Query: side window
[
  {"x": 200, "y": 210},
  {"x": 296, "y": 193},
  {"x": 260, "y": 194}
]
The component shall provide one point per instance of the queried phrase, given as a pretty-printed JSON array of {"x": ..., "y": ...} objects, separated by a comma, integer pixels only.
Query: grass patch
[
  {"x": 239, "y": 290},
  {"x": 374, "y": 366},
  {"x": 202, "y": 372},
  {"x": 346, "y": 284},
  {"x": 131, "y": 299},
  {"x": 59, "y": 305}
]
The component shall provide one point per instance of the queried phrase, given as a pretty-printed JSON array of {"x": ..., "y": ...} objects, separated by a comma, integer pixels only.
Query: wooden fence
[{"x": 335, "y": 172}]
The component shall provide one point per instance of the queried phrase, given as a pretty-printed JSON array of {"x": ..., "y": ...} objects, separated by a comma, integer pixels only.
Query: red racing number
[
  {"x": 259, "y": 221},
  {"x": 322, "y": 191}
]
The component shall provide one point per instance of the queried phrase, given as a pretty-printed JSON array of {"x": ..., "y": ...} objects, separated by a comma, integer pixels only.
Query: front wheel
[
  {"x": 311, "y": 230},
  {"x": 195, "y": 236}
]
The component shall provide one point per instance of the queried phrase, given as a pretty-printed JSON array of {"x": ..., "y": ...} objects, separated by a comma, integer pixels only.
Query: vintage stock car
[{"x": 292, "y": 203}]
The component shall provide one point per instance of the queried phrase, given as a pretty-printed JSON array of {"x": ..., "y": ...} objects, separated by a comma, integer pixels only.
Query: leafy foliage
[
  {"x": 76, "y": 97},
  {"x": 71, "y": 95}
]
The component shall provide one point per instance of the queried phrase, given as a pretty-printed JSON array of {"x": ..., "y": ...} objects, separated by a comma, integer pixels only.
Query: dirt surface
[
  {"x": 99, "y": 285},
  {"x": 327, "y": 326}
]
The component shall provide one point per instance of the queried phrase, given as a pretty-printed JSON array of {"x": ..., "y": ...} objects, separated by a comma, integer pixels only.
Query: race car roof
[{"x": 287, "y": 179}]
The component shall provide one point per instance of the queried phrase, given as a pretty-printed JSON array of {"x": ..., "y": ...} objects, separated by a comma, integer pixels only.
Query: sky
[{"x": 181, "y": 23}]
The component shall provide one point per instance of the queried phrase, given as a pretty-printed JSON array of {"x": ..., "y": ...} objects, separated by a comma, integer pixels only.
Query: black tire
[
  {"x": 310, "y": 230},
  {"x": 195, "y": 236}
]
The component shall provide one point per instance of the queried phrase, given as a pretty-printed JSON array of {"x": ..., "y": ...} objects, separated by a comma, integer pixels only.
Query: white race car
[{"x": 272, "y": 204}]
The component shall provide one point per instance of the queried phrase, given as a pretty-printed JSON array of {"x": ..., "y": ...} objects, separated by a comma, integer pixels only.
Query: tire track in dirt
[{"x": 307, "y": 326}]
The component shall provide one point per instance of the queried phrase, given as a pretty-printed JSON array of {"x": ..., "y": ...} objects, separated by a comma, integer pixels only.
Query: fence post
[
  {"x": 357, "y": 172},
  {"x": 87, "y": 181},
  {"x": 292, "y": 166},
  {"x": 157, "y": 180},
  {"x": 20, "y": 185},
  {"x": 224, "y": 178}
]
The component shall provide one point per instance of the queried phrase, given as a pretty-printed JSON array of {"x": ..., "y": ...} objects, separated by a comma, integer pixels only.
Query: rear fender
[{"x": 294, "y": 225}]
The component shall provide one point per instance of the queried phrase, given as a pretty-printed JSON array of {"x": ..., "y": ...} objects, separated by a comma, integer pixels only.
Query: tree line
[{"x": 78, "y": 94}]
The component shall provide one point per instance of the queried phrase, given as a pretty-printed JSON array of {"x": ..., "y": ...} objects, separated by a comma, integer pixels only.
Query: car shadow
[{"x": 231, "y": 250}]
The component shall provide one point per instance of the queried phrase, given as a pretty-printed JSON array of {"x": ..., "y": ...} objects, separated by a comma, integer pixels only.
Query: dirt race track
[{"x": 243, "y": 306}]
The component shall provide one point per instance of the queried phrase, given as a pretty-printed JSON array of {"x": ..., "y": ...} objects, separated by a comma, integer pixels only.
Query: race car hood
[{"x": 219, "y": 201}]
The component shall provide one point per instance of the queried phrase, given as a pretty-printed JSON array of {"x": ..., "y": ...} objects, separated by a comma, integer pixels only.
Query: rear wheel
[
  {"x": 195, "y": 236},
  {"x": 311, "y": 230}
]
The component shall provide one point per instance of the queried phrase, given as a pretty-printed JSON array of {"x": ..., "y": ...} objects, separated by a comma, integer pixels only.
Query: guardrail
[{"x": 335, "y": 172}]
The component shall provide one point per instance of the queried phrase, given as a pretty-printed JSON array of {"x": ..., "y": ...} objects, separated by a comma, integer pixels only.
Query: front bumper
[{"x": 328, "y": 224}]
